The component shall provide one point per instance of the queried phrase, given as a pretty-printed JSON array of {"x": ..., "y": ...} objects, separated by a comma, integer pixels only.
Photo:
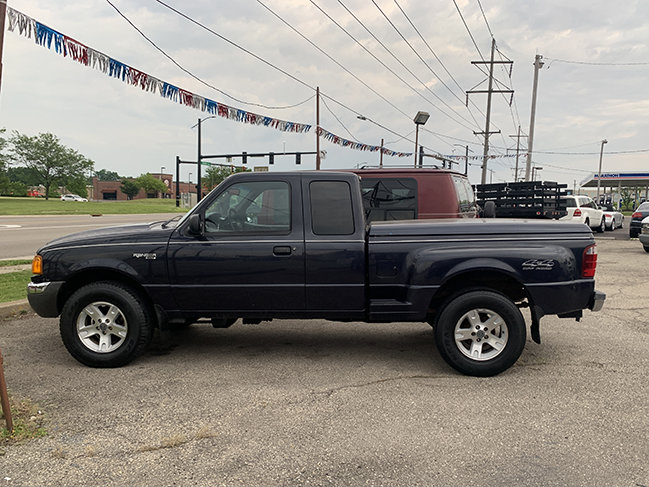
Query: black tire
[
  {"x": 109, "y": 316},
  {"x": 587, "y": 222},
  {"x": 602, "y": 226},
  {"x": 646, "y": 248},
  {"x": 633, "y": 233},
  {"x": 454, "y": 321}
]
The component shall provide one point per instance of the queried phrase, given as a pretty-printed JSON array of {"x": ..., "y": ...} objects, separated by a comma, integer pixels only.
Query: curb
[{"x": 13, "y": 308}]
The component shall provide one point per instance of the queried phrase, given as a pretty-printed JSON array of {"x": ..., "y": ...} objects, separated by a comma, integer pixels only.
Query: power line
[
  {"x": 485, "y": 19},
  {"x": 434, "y": 54},
  {"x": 268, "y": 63},
  {"x": 192, "y": 74},
  {"x": 468, "y": 30},
  {"x": 339, "y": 121},
  {"x": 391, "y": 71},
  {"x": 418, "y": 55},
  {"x": 594, "y": 63}
]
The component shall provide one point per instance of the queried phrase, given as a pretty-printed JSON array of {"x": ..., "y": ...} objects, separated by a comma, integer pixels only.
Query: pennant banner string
[
  {"x": 68, "y": 47},
  {"x": 334, "y": 139}
]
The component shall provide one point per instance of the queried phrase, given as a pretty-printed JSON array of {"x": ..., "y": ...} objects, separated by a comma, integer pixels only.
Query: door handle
[{"x": 282, "y": 250}]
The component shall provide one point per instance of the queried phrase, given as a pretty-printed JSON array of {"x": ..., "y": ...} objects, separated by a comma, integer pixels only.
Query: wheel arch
[
  {"x": 90, "y": 275},
  {"x": 492, "y": 279}
]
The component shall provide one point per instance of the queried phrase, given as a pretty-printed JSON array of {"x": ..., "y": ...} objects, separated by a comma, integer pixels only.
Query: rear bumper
[
  {"x": 596, "y": 301},
  {"x": 560, "y": 298},
  {"x": 43, "y": 298}
]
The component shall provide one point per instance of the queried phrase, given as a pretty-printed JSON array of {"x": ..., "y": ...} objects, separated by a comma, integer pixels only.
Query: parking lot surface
[{"x": 321, "y": 403}]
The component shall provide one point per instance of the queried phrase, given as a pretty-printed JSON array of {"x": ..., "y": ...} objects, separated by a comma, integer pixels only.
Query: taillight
[
  {"x": 589, "y": 261},
  {"x": 637, "y": 214},
  {"x": 577, "y": 212}
]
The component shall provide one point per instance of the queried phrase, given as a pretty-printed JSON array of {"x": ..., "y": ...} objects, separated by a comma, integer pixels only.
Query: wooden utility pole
[
  {"x": 538, "y": 64},
  {"x": 317, "y": 131},
  {"x": 489, "y": 92}
]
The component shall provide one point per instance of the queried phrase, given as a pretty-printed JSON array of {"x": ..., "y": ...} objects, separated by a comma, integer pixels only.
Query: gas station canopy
[{"x": 618, "y": 180}]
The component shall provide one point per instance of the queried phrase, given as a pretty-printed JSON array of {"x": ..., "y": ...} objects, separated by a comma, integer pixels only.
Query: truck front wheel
[
  {"x": 105, "y": 324},
  {"x": 480, "y": 333}
]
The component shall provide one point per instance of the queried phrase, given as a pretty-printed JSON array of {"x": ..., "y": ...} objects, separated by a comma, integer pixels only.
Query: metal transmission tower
[
  {"x": 489, "y": 92},
  {"x": 518, "y": 148}
]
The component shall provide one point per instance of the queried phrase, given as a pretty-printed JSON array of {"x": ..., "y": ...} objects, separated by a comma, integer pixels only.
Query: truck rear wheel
[
  {"x": 105, "y": 324},
  {"x": 480, "y": 333}
]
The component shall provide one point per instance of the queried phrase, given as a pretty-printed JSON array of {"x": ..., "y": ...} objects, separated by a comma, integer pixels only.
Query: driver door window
[{"x": 251, "y": 207}]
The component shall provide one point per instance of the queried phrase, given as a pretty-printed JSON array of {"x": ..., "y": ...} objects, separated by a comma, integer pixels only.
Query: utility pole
[
  {"x": 317, "y": 132},
  {"x": 518, "y": 148},
  {"x": 3, "y": 12},
  {"x": 538, "y": 64},
  {"x": 489, "y": 92},
  {"x": 599, "y": 174}
]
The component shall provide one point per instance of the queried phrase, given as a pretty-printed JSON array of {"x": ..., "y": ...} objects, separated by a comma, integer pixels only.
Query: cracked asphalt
[{"x": 319, "y": 403}]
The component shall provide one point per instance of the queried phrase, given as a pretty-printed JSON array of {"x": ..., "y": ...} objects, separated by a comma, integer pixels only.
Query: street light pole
[
  {"x": 420, "y": 119},
  {"x": 599, "y": 173},
  {"x": 162, "y": 168}
]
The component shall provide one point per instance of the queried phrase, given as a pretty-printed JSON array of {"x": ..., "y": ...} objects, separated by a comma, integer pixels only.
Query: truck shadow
[{"x": 406, "y": 344}]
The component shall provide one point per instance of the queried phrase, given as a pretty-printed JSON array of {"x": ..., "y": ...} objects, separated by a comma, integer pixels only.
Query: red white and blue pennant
[
  {"x": 67, "y": 46},
  {"x": 334, "y": 139}
]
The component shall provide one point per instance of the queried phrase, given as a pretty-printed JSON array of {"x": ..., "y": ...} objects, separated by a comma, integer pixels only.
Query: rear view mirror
[{"x": 195, "y": 225}]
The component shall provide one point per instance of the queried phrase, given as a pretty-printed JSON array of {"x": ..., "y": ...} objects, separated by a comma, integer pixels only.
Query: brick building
[{"x": 110, "y": 190}]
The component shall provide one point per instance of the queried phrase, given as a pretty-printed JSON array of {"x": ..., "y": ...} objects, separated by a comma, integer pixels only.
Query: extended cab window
[
  {"x": 251, "y": 207},
  {"x": 331, "y": 208},
  {"x": 389, "y": 198}
]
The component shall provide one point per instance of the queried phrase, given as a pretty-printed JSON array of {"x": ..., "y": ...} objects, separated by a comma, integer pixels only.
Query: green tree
[
  {"x": 106, "y": 175},
  {"x": 627, "y": 199},
  {"x": 151, "y": 184},
  {"x": 216, "y": 174},
  {"x": 23, "y": 175},
  {"x": 53, "y": 163},
  {"x": 130, "y": 188}
]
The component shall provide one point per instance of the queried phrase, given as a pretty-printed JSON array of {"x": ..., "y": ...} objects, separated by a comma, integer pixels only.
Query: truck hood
[
  {"x": 136, "y": 233},
  {"x": 474, "y": 227}
]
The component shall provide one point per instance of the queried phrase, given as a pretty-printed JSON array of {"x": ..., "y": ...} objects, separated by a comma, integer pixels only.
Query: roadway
[{"x": 21, "y": 236}]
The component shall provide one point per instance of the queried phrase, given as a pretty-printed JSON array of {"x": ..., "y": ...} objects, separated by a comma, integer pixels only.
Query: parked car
[
  {"x": 644, "y": 234},
  {"x": 410, "y": 194},
  {"x": 639, "y": 214},
  {"x": 583, "y": 209},
  {"x": 73, "y": 197},
  {"x": 613, "y": 218}
]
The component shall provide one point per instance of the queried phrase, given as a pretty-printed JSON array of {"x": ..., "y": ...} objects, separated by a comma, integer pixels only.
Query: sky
[{"x": 248, "y": 55}]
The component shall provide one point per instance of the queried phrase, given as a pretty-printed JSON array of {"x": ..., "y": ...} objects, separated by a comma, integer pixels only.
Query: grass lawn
[
  {"x": 13, "y": 285},
  {"x": 40, "y": 206},
  {"x": 11, "y": 262}
]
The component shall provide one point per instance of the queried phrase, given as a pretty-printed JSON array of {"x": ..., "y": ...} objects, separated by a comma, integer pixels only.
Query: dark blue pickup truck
[{"x": 297, "y": 245}]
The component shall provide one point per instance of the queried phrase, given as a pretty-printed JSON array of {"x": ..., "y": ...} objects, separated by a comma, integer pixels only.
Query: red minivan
[{"x": 407, "y": 194}]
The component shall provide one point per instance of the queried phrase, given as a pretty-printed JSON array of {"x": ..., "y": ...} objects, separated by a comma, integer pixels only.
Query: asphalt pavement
[
  {"x": 21, "y": 236},
  {"x": 321, "y": 403}
]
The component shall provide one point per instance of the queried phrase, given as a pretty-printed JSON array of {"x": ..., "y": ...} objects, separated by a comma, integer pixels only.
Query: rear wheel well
[
  {"x": 489, "y": 280},
  {"x": 88, "y": 276}
]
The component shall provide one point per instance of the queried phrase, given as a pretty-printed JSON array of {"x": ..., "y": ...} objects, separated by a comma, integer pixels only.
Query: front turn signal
[{"x": 37, "y": 265}]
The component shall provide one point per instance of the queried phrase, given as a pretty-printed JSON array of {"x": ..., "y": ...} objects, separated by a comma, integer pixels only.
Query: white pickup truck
[{"x": 583, "y": 209}]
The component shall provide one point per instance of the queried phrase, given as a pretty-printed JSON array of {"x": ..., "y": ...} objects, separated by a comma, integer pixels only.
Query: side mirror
[{"x": 195, "y": 224}]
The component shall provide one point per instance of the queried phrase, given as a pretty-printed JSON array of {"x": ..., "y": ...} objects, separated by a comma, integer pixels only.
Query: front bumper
[{"x": 43, "y": 298}]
